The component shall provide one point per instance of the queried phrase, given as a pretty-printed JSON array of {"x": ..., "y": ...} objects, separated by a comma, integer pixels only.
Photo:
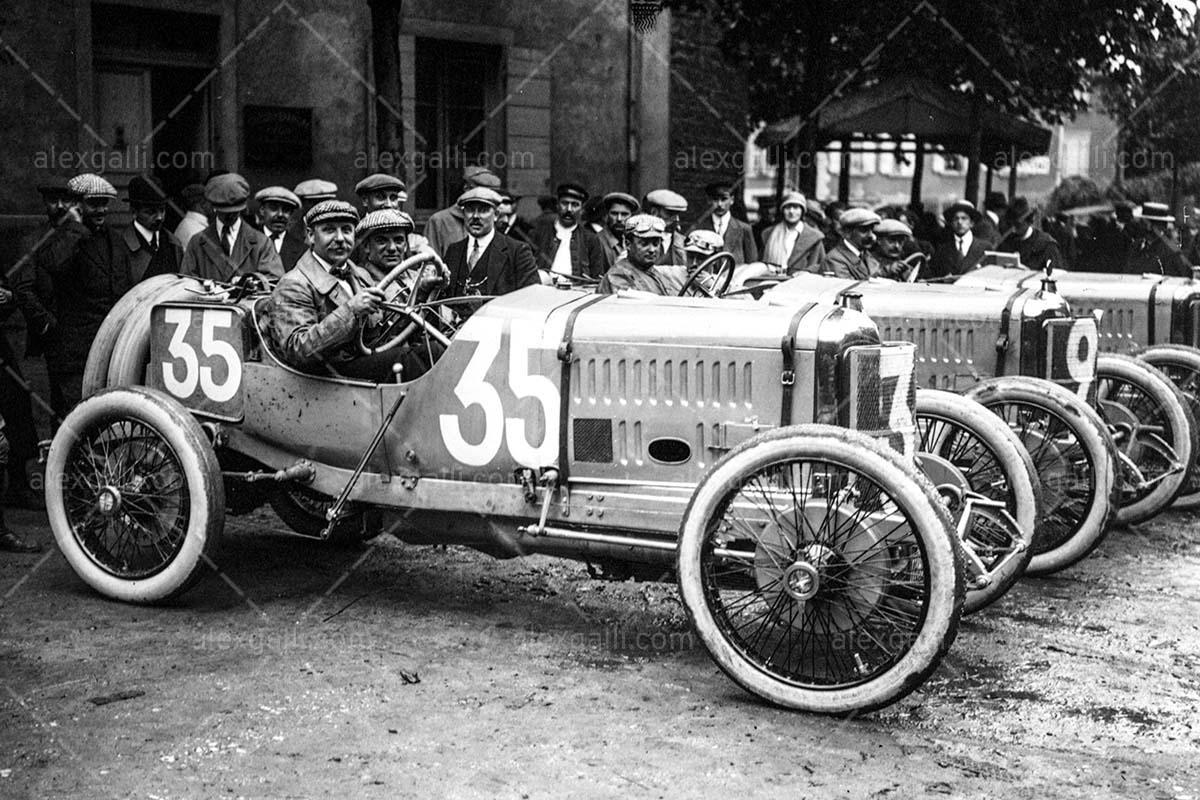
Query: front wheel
[
  {"x": 1075, "y": 462},
  {"x": 134, "y": 495},
  {"x": 820, "y": 570},
  {"x": 1181, "y": 363},
  {"x": 970, "y": 446},
  {"x": 1153, "y": 429}
]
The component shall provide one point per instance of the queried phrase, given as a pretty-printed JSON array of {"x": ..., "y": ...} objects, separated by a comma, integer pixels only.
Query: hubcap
[
  {"x": 109, "y": 501},
  {"x": 801, "y": 581}
]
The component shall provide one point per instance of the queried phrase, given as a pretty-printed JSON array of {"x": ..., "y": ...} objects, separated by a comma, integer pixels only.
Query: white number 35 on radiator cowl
[{"x": 198, "y": 358}]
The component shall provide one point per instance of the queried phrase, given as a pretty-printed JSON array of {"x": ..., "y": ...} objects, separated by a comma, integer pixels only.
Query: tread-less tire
[
  {"x": 131, "y": 353},
  {"x": 95, "y": 371},
  {"x": 820, "y": 570},
  {"x": 994, "y": 463},
  {"x": 1181, "y": 363},
  {"x": 1075, "y": 461},
  {"x": 1154, "y": 431},
  {"x": 134, "y": 495}
]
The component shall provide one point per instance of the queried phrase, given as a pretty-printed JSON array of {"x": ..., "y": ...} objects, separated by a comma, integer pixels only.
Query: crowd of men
[{"x": 325, "y": 258}]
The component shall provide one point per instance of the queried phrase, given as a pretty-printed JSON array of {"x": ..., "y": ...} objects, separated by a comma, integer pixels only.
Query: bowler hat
[
  {"x": 145, "y": 192},
  {"x": 227, "y": 192}
]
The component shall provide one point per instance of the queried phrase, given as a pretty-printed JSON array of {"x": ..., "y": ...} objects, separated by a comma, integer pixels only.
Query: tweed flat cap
[
  {"x": 704, "y": 242},
  {"x": 315, "y": 189},
  {"x": 623, "y": 199},
  {"x": 794, "y": 199},
  {"x": 858, "y": 218},
  {"x": 330, "y": 211},
  {"x": 665, "y": 198},
  {"x": 385, "y": 220},
  {"x": 378, "y": 182},
  {"x": 480, "y": 194},
  {"x": 278, "y": 194},
  {"x": 645, "y": 226},
  {"x": 892, "y": 227},
  {"x": 90, "y": 185}
]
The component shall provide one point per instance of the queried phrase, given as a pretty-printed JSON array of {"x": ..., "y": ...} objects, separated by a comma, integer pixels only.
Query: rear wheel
[
  {"x": 303, "y": 510},
  {"x": 134, "y": 495},
  {"x": 1073, "y": 455},
  {"x": 820, "y": 570},
  {"x": 1153, "y": 429},
  {"x": 984, "y": 453},
  {"x": 1181, "y": 364}
]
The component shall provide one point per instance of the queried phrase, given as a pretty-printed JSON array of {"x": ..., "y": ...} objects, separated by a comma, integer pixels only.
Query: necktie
[
  {"x": 227, "y": 240},
  {"x": 153, "y": 243},
  {"x": 473, "y": 259},
  {"x": 962, "y": 247}
]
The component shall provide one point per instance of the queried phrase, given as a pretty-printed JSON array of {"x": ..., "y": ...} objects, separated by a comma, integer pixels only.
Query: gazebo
[{"x": 933, "y": 115}]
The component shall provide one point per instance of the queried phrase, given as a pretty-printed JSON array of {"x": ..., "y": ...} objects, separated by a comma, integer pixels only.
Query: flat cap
[
  {"x": 480, "y": 194},
  {"x": 145, "y": 191},
  {"x": 665, "y": 198},
  {"x": 330, "y": 211},
  {"x": 192, "y": 191},
  {"x": 858, "y": 218},
  {"x": 385, "y": 220},
  {"x": 54, "y": 185},
  {"x": 703, "y": 242},
  {"x": 278, "y": 194},
  {"x": 572, "y": 190},
  {"x": 623, "y": 199},
  {"x": 90, "y": 185},
  {"x": 316, "y": 189},
  {"x": 813, "y": 209},
  {"x": 481, "y": 176},
  {"x": 794, "y": 199},
  {"x": 892, "y": 227},
  {"x": 380, "y": 181},
  {"x": 227, "y": 192},
  {"x": 645, "y": 226}
]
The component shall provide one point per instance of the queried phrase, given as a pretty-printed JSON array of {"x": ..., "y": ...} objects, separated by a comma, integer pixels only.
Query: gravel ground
[{"x": 398, "y": 671}]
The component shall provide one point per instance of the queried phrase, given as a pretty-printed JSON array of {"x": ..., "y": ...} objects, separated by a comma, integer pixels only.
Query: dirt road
[{"x": 427, "y": 672}]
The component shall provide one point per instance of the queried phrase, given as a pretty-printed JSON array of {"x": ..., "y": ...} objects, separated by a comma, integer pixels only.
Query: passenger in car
[
  {"x": 383, "y": 236},
  {"x": 320, "y": 307},
  {"x": 638, "y": 268}
]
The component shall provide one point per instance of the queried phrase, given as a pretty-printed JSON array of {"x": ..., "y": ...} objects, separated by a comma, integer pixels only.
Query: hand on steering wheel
[
  {"x": 410, "y": 311},
  {"x": 722, "y": 276}
]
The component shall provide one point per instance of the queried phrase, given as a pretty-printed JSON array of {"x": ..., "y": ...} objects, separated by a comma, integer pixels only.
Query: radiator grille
[
  {"x": 881, "y": 393},
  {"x": 593, "y": 440}
]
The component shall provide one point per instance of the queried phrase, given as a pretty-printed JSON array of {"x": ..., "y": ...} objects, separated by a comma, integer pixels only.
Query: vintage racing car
[
  {"x": 1155, "y": 317},
  {"x": 770, "y": 467}
]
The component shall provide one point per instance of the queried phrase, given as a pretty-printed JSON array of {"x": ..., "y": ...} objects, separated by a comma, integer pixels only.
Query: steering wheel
[
  {"x": 411, "y": 312},
  {"x": 722, "y": 276},
  {"x": 916, "y": 261}
]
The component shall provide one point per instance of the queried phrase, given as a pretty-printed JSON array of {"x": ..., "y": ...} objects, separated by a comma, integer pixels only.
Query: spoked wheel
[
  {"x": 1153, "y": 429},
  {"x": 1181, "y": 364},
  {"x": 820, "y": 570},
  {"x": 303, "y": 510},
  {"x": 1074, "y": 459},
  {"x": 134, "y": 494},
  {"x": 982, "y": 452}
]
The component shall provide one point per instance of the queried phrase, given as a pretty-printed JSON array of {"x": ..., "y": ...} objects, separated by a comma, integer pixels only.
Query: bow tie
[{"x": 342, "y": 272}]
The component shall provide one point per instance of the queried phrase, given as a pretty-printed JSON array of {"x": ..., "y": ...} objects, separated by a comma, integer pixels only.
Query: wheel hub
[
  {"x": 801, "y": 581},
  {"x": 108, "y": 502}
]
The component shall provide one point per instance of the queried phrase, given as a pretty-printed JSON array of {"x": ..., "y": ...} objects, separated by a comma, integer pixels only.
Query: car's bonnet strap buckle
[{"x": 787, "y": 377}]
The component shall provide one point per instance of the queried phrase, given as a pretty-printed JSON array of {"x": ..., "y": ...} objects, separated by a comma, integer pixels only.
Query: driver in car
[
  {"x": 638, "y": 269},
  {"x": 320, "y": 307}
]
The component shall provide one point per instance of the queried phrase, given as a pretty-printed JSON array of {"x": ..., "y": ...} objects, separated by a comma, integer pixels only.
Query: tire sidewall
[{"x": 200, "y": 470}]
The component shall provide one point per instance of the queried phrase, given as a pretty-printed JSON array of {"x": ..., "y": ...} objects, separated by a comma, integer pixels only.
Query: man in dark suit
[
  {"x": 961, "y": 251},
  {"x": 1037, "y": 249},
  {"x": 564, "y": 246},
  {"x": 487, "y": 262},
  {"x": 988, "y": 226},
  {"x": 229, "y": 247},
  {"x": 618, "y": 208},
  {"x": 852, "y": 258},
  {"x": 277, "y": 205},
  {"x": 150, "y": 249},
  {"x": 738, "y": 237}
]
